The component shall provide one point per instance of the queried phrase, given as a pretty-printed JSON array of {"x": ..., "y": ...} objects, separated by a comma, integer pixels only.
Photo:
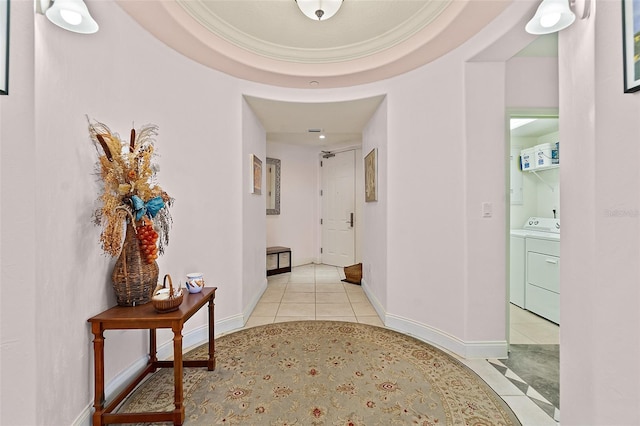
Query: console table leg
[
  {"x": 211, "y": 364},
  {"x": 98, "y": 361},
  {"x": 153, "y": 357},
  {"x": 177, "y": 374}
]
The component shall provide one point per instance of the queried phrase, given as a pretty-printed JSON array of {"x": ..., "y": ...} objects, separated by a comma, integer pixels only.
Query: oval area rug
[{"x": 326, "y": 373}]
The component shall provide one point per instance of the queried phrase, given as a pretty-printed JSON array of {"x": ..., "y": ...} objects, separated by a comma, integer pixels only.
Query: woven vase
[{"x": 133, "y": 278}]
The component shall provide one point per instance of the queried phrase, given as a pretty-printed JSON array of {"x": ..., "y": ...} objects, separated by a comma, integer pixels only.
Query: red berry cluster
[{"x": 148, "y": 238}]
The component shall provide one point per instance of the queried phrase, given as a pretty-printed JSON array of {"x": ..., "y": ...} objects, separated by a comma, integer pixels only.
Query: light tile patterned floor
[
  {"x": 529, "y": 329},
  {"x": 315, "y": 292}
]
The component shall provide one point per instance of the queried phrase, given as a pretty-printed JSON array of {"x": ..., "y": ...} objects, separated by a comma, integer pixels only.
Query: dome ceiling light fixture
[{"x": 320, "y": 10}]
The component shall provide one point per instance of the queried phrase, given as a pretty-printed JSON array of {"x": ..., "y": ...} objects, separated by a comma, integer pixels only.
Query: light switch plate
[{"x": 487, "y": 209}]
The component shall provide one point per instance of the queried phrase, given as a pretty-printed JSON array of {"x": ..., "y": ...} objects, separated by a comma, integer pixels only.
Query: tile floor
[
  {"x": 529, "y": 329},
  {"x": 534, "y": 358},
  {"x": 315, "y": 292}
]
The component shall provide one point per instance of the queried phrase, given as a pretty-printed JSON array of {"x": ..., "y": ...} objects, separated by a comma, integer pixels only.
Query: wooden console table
[{"x": 146, "y": 317}]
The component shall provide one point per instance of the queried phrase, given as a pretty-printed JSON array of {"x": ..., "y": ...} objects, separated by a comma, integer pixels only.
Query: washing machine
[
  {"x": 517, "y": 269},
  {"x": 535, "y": 267}
]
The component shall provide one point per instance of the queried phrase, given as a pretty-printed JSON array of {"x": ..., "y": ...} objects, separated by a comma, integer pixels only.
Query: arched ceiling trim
[{"x": 313, "y": 63}]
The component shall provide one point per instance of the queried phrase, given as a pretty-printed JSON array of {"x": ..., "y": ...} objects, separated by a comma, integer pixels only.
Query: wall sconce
[
  {"x": 556, "y": 15},
  {"x": 72, "y": 15},
  {"x": 319, "y": 10}
]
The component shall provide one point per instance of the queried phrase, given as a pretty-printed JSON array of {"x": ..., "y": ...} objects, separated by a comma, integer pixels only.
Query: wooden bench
[{"x": 278, "y": 260}]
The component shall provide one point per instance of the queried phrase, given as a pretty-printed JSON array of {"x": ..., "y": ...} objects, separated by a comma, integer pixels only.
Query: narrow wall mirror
[{"x": 273, "y": 186}]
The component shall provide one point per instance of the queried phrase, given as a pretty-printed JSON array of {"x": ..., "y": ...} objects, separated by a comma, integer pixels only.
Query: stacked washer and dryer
[{"x": 535, "y": 267}]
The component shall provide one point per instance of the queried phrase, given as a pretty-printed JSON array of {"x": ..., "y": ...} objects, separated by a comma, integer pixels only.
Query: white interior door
[{"x": 338, "y": 209}]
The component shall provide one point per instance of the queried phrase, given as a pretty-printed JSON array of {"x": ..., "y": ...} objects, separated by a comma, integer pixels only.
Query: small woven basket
[
  {"x": 353, "y": 273},
  {"x": 170, "y": 304}
]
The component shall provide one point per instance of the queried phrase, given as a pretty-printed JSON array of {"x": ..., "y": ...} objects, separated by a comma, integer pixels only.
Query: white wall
[
  {"x": 485, "y": 151},
  {"x": 19, "y": 304},
  {"x": 254, "y": 240},
  {"x": 600, "y": 248},
  {"x": 375, "y": 278},
  {"x": 297, "y": 224},
  {"x": 532, "y": 84}
]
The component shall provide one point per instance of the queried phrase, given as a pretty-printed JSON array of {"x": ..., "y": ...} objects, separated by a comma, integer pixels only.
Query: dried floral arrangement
[{"x": 130, "y": 193}]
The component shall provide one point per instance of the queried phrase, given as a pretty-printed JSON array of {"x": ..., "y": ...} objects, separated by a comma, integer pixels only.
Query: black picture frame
[
  {"x": 631, "y": 44},
  {"x": 4, "y": 47}
]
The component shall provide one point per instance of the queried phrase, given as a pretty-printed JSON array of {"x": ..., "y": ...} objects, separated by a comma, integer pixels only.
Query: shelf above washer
[{"x": 543, "y": 168}]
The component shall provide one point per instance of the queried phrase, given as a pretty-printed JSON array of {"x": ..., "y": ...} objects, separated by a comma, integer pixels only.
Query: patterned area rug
[{"x": 326, "y": 373}]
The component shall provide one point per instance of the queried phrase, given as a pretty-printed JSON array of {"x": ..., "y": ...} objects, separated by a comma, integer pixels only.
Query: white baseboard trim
[
  {"x": 432, "y": 335},
  {"x": 254, "y": 301},
  {"x": 84, "y": 418},
  {"x": 374, "y": 301},
  {"x": 304, "y": 261},
  {"x": 436, "y": 337},
  {"x": 111, "y": 389}
]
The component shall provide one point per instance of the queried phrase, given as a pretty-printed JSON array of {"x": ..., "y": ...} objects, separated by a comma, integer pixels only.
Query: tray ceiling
[{"x": 272, "y": 42}]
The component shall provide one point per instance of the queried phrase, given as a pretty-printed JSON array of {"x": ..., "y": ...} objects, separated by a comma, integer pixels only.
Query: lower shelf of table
[
  {"x": 278, "y": 271},
  {"x": 176, "y": 416}
]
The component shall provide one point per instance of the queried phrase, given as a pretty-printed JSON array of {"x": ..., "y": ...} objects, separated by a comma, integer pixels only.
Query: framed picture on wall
[
  {"x": 4, "y": 47},
  {"x": 371, "y": 176},
  {"x": 631, "y": 44},
  {"x": 256, "y": 175}
]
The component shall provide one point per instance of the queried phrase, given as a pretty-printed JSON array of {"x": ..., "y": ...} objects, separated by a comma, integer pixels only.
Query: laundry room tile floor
[
  {"x": 534, "y": 359},
  {"x": 529, "y": 329},
  {"x": 316, "y": 292}
]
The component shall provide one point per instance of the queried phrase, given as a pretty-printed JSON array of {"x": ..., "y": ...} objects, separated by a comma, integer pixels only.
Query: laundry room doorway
[
  {"x": 533, "y": 256},
  {"x": 534, "y": 164}
]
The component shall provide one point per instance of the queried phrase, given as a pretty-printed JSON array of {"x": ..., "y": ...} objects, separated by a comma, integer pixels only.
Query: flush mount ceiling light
[
  {"x": 519, "y": 122},
  {"x": 319, "y": 10},
  {"x": 72, "y": 15}
]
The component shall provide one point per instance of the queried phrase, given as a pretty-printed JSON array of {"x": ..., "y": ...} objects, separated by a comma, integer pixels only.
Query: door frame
[
  {"x": 358, "y": 202},
  {"x": 509, "y": 114}
]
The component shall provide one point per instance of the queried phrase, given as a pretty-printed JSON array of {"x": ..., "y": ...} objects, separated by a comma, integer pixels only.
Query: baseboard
[
  {"x": 254, "y": 301},
  {"x": 111, "y": 389},
  {"x": 374, "y": 301},
  {"x": 436, "y": 337},
  {"x": 444, "y": 340},
  {"x": 84, "y": 418},
  {"x": 304, "y": 261}
]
